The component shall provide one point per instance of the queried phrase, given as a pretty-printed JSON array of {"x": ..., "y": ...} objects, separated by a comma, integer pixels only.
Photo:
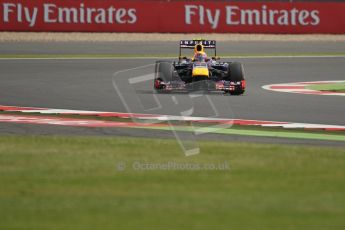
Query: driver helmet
[{"x": 198, "y": 48}]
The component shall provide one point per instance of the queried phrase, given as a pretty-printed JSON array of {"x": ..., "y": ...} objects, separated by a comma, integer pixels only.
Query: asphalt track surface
[{"x": 88, "y": 85}]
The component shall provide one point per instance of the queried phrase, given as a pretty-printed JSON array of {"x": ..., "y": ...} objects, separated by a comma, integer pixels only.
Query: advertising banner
[{"x": 172, "y": 16}]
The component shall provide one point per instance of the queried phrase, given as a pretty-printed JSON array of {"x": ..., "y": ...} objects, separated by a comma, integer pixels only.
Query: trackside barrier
[{"x": 172, "y": 16}]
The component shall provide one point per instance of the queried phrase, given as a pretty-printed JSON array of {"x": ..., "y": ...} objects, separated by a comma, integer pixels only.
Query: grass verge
[
  {"x": 334, "y": 87},
  {"x": 75, "y": 183}
]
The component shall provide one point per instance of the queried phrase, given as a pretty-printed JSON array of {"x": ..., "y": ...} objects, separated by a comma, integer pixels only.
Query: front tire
[
  {"x": 163, "y": 73},
  {"x": 236, "y": 74},
  {"x": 164, "y": 70}
]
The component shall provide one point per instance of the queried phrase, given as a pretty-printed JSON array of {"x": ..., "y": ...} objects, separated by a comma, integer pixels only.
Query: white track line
[{"x": 301, "y": 88}]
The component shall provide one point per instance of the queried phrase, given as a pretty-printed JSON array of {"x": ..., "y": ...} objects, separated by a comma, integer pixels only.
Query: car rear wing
[{"x": 190, "y": 44}]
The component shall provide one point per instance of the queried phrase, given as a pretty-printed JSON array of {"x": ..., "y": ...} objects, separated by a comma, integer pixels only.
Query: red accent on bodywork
[
  {"x": 157, "y": 84},
  {"x": 243, "y": 84}
]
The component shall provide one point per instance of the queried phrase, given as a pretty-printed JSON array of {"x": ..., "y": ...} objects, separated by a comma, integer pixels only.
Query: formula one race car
[{"x": 199, "y": 72}]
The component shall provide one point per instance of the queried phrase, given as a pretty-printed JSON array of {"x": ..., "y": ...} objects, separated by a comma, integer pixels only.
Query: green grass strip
[
  {"x": 334, "y": 87},
  {"x": 258, "y": 132},
  {"x": 76, "y": 183}
]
